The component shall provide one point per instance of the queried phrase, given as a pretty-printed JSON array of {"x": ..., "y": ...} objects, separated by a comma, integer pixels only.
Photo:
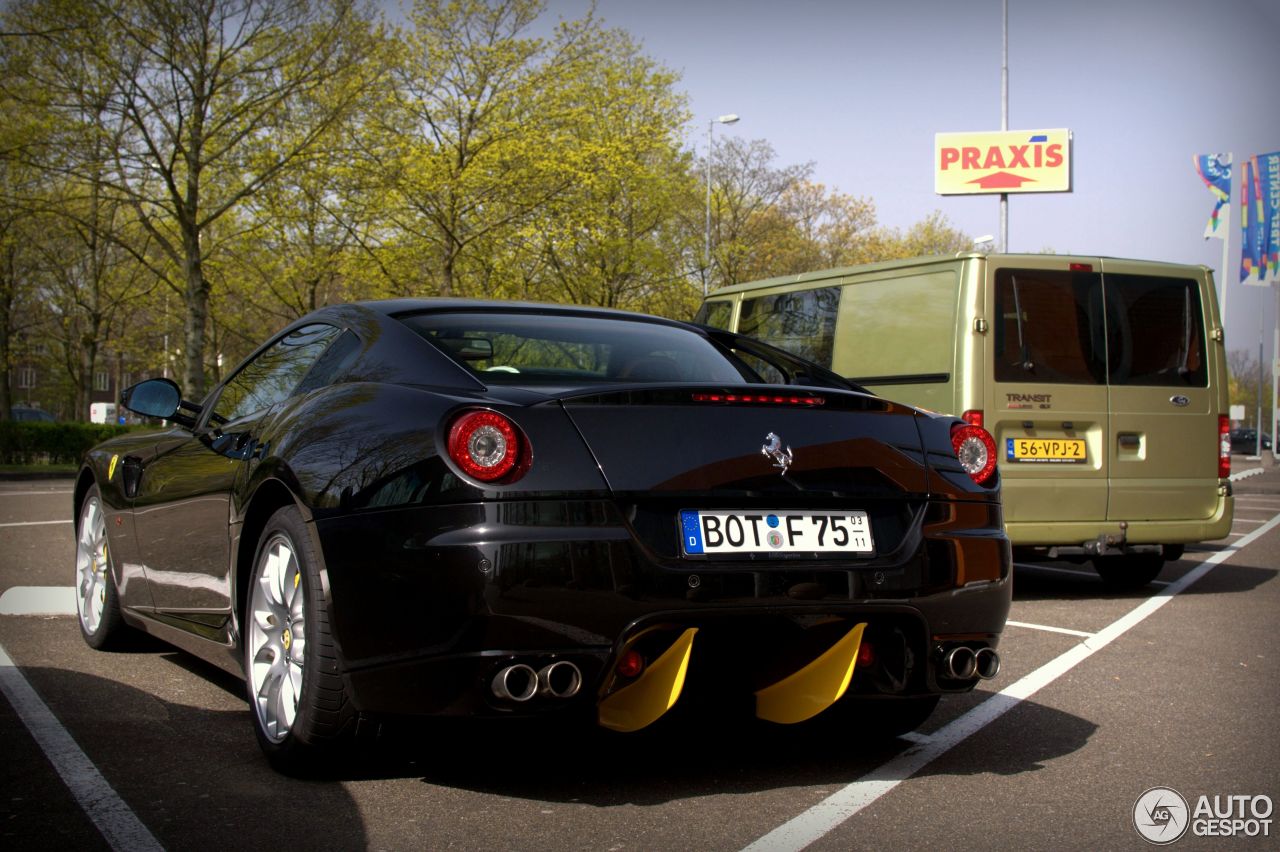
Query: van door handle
[{"x": 1129, "y": 442}]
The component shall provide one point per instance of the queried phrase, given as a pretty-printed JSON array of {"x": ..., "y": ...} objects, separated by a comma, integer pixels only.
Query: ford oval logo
[{"x": 1180, "y": 400}]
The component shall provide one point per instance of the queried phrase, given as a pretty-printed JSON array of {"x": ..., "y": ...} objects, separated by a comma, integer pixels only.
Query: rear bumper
[
  {"x": 428, "y": 605},
  {"x": 1135, "y": 531}
]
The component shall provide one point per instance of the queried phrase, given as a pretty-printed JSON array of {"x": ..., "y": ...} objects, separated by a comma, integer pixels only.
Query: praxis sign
[{"x": 1007, "y": 161}]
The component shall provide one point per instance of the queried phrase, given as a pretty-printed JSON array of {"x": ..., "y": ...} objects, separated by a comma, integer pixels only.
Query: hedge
[{"x": 25, "y": 442}]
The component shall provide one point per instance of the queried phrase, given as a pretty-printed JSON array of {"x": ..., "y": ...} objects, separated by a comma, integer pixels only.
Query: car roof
[{"x": 394, "y": 307}]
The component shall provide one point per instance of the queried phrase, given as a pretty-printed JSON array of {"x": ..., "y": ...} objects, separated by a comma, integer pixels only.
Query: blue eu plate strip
[{"x": 691, "y": 529}]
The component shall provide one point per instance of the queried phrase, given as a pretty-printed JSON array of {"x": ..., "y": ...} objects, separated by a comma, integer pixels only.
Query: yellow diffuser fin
[
  {"x": 807, "y": 692},
  {"x": 641, "y": 703}
]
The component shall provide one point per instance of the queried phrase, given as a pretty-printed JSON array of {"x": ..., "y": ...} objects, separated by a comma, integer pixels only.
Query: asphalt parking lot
[{"x": 1102, "y": 697}]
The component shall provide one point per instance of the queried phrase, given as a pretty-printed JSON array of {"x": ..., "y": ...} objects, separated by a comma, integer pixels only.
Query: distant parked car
[
  {"x": 1246, "y": 441},
  {"x": 26, "y": 412}
]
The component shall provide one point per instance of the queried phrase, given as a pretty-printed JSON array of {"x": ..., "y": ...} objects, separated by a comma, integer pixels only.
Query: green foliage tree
[
  {"x": 480, "y": 135},
  {"x": 609, "y": 239},
  {"x": 201, "y": 100},
  {"x": 1243, "y": 378},
  {"x": 932, "y": 235},
  {"x": 226, "y": 166}
]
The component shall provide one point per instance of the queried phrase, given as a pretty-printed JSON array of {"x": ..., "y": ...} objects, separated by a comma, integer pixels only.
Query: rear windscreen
[
  {"x": 1087, "y": 328},
  {"x": 568, "y": 350}
]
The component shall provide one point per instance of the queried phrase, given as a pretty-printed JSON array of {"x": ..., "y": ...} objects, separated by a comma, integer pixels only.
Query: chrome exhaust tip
[
  {"x": 987, "y": 663},
  {"x": 515, "y": 683},
  {"x": 561, "y": 679},
  {"x": 960, "y": 663}
]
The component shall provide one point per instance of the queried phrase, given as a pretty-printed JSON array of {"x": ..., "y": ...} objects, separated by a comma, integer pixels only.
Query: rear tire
[
  {"x": 97, "y": 601},
  {"x": 301, "y": 713},
  {"x": 1128, "y": 572}
]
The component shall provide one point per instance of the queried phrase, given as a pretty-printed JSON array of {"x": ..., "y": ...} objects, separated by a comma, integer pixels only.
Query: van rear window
[
  {"x": 801, "y": 321},
  {"x": 1086, "y": 328},
  {"x": 1155, "y": 334}
]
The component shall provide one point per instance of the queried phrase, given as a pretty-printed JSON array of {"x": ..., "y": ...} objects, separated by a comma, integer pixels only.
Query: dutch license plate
[
  {"x": 1046, "y": 450},
  {"x": 774, "y": 532}
]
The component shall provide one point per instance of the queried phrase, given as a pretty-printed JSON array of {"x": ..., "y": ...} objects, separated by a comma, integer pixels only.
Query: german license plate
[
  {"x": 774, "y": 532},
  {"x": 1046, "y": 450}
]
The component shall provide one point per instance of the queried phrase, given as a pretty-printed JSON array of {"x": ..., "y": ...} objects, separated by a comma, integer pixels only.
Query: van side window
[
  {"x": 1050, "y": 327},
  {"x": 715, "y": 313},
  {"x": 1155, "y": 334},
  {"x": 802, "y": 321}
]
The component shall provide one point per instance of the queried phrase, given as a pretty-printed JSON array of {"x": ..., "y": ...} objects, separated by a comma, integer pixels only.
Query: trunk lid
[{"x": 664, "y": 451}]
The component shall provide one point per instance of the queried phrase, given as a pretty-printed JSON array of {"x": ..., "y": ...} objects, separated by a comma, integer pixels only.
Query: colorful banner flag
[
  {"x": 1260, "y": 220},
  {"x": 1215, "y": 171}
]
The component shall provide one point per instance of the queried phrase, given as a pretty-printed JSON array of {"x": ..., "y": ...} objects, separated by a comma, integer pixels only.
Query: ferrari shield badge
[{"x": 774, "y": 450}]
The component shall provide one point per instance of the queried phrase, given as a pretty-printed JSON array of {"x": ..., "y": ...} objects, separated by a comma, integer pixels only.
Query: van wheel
[{"x": 1132, "y": 571}]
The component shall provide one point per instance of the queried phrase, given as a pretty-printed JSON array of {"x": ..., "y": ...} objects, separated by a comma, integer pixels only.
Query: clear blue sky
[{"x": 860, "y": 88}]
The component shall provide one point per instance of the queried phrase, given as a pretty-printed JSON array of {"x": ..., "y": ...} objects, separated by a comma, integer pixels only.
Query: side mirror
[{"x": 153, "y": 398}]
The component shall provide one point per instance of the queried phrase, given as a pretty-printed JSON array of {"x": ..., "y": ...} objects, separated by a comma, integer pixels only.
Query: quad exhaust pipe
[
  {"x": 520, "y": 682},
  {"x": 988, "y": 663},
  {"x": 964, "y": 663}
]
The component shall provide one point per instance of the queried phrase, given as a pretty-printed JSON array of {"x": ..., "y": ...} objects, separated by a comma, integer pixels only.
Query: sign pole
[
  {"x": 1004, "y": 119},
  {"x": 1223, "y": 274}
]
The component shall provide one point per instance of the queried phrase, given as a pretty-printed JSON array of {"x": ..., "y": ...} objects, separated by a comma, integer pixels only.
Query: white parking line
[
  {"x": 34, "y": 523},
  {"x": 31, "y": 493},
  {"x": 1028, "y": 626},
  {"x": 119, "y": 825},
  {"x": 839, "y": 807},
  {"x": 38, "y": 600}
]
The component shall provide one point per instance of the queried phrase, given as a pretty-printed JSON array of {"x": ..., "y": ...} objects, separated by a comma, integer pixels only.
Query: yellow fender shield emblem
[
  {"x": 111, "y": 470},
  {"x": 640, "y": 704},
  {"x": 807, "y": 692}
]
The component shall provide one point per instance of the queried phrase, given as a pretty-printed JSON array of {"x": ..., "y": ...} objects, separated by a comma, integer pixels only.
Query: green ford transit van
[{"x": 1102, "y": 381}]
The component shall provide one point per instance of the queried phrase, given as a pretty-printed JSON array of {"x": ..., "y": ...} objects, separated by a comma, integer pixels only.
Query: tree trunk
[
  {"x": 7, "y": 287},
  {"x": 197, "y": 298}
]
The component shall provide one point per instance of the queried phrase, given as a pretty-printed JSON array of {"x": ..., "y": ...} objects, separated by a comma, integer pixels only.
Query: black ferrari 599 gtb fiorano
[{"x": 445, "y": 507}]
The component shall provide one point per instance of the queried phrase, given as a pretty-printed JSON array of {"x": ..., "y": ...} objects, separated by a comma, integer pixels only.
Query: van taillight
[{"x": 1224, "y": 446}]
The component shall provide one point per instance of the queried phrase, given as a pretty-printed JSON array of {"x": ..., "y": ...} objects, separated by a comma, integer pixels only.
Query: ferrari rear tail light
[
  {"x": 1224, "y": 446},
  {"x": 486, "y": 445},
  {"x": 976, "y": 450}
]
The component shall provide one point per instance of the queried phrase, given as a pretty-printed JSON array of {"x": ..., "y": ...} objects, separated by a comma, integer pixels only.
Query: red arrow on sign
[{"x": 1002, "y": 180}]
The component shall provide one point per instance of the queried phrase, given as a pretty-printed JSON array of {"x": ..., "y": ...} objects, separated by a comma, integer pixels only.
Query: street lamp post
[{"x": 723, "y": 119}]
